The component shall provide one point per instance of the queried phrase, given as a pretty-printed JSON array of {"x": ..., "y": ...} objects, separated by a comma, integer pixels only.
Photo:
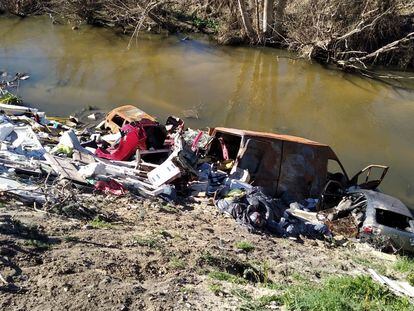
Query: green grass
[
  {"x": 227, "y": 277},
  {"x": 189, "y": 289},
  {"x": 215, "y": 288},
  {"x": 40, "y": 245},
  {"x": 168, "y": 208},
  {"x": 369, "y": 263},
  {"x": 245, "y": 246},
  {"x": 343, "y": 293},
  {"x": 177, "y": 263},
  {"x": 98, "y": 223},
  {"x": 165, "y": 234},
  {"x": 149, "y": 241},
  {"x": 260, "y": 303},
  {"x": 206, "y": 23},
  {"x": 410, "y": 278},
  {"x": 9, "y": 98},
  {"x": 405, "y": 265},
  {"x": 241, "y": 293}
]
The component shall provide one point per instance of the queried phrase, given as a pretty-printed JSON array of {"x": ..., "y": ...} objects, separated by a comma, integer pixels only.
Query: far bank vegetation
[{"x": 352, "y": 34}]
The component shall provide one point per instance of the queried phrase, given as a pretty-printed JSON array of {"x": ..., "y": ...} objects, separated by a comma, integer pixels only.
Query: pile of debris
[{"x": 269, "y": 183}]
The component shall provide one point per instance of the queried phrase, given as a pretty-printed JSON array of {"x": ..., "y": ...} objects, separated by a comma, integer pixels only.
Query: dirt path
[{"x": 150, "y": 256}]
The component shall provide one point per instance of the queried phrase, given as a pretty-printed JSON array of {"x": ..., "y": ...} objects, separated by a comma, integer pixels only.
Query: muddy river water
[{"x": 261, "y": 89}]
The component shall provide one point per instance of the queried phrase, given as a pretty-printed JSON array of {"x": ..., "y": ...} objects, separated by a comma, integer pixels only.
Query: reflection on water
[{"x": 365, "y": 122}]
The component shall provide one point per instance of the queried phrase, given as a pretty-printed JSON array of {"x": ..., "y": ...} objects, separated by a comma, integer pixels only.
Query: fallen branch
[{"x": 386, "y": 48}]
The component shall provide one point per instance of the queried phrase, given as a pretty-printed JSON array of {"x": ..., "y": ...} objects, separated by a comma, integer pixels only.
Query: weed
[
  {"x": 177, "y": 263},
  {"x": 208, "y": 258},
  {"x": 404, "y": 264},
  {"x": 9, "y": 98},
  {"x": 344, "y": 293},
  {"x": 300, "y": 278},
  {"x": 187, "y": 289},
  {"x": 274, "y": 286},
  {"x": 370, "y": 264},
  {"x": 71, "y": 239},
  {"x": 205, "y": 23},
  {"x": 168, "y": 208},
  {"x": 245, "y": 246},
  {"x": 241, "y": 293},
  {"x": 215, "y": 288},
  {"x": 261, "y": 303},
  {"x": 165, "y": 234},
  {"x": 224, "y": 276},
  {"x": 149, "y": 241},
  {"x": 98, "y": 223},
  {"x": 40, "y": 245},
  {"x": 410, "y": 278}
]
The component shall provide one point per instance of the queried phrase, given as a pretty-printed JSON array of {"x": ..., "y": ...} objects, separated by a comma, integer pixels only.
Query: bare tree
[
  {"x": 280, "y": 12},
  {"x": 247, "y": 24},
  {"x": 267, "y": 15}
]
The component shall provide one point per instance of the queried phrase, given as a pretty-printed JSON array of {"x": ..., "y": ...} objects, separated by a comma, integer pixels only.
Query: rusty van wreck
[{"x": 296, "y": 169}]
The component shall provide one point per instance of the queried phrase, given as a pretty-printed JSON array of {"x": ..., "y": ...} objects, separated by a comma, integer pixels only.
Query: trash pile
[
  {"x": 128, "y": 151},
  {"x": 268, "y": 183}
]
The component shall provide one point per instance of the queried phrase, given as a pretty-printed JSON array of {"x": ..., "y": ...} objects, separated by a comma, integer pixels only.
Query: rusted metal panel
[
  {"x": 262, "y": 160},
  {"x": 271, "y": 136},
  {"x": 282, "y": 164},
  {"x": 303, "y": 170},
  {"x": 123, "y": 115}
]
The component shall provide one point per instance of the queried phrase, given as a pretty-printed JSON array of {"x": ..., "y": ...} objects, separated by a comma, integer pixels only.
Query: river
[{"x": 253, "y": 88}]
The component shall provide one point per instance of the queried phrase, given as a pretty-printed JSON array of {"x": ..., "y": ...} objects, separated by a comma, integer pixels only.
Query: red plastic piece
[
  {"x": 134, "y": 138},
  {"x": 367, "y": 229},
  {"x": 111, "y": 186}
]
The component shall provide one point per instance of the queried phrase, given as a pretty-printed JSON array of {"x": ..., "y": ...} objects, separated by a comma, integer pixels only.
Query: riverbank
[
  {"x": 155, "y": 256},
  {"x": 68, "y": 248},
  {"x": 352, "y": 36}
]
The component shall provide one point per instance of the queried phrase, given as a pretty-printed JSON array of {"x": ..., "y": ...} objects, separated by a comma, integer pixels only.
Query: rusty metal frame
[
  {"x": 314, "y": 178},
  {"x": 368, "y": 169},
  {"x": 124, "y": 112}
]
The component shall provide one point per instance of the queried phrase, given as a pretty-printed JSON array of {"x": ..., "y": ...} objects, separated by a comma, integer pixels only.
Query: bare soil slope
[{"x": 150, "y": 255}]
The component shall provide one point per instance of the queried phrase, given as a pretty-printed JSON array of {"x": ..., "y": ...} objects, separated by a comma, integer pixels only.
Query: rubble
[{"x": 269, "y": 183}]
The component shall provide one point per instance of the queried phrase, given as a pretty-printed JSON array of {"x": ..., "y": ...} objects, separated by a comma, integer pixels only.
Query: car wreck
[{"x": 269, "y": 183}]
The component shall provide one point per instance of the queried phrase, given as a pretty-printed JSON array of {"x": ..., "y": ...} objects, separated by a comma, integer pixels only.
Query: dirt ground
[{"x": 150, "y": 255}]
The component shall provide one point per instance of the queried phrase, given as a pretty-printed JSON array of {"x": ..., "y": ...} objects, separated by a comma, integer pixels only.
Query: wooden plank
[
  {"x": 83, "y": 157},
  {"x": 64, "y": 168}
]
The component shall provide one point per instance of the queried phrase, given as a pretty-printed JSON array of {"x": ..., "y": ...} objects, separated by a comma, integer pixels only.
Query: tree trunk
[
  {"x": 247, "y": 24},
  {"x": 280, "y": 13},
  {"x": 267, "y": 15}
]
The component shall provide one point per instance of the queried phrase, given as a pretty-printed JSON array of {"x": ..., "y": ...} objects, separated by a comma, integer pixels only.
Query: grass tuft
[
  {"x": 215, "y": 288},
  {"x": 224, "y": 276},
  {"x": 40, "y": 245},
  {"x": 98, "y": 223},
  {"x": 177, "y": 263},
  {"x": 245, "y": 246},
  {"x": 344, "y": 293},
  {"x": 405, "y": 265},
  {"x": 261, "y": 304},
  {"x": 148, "y": 241}
]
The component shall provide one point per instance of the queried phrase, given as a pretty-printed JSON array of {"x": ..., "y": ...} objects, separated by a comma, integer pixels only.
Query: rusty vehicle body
[
  {"x": 120, "y": 116},
  {"x": 296, "y": 168},
  {"x": 282, "y": 165}
]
